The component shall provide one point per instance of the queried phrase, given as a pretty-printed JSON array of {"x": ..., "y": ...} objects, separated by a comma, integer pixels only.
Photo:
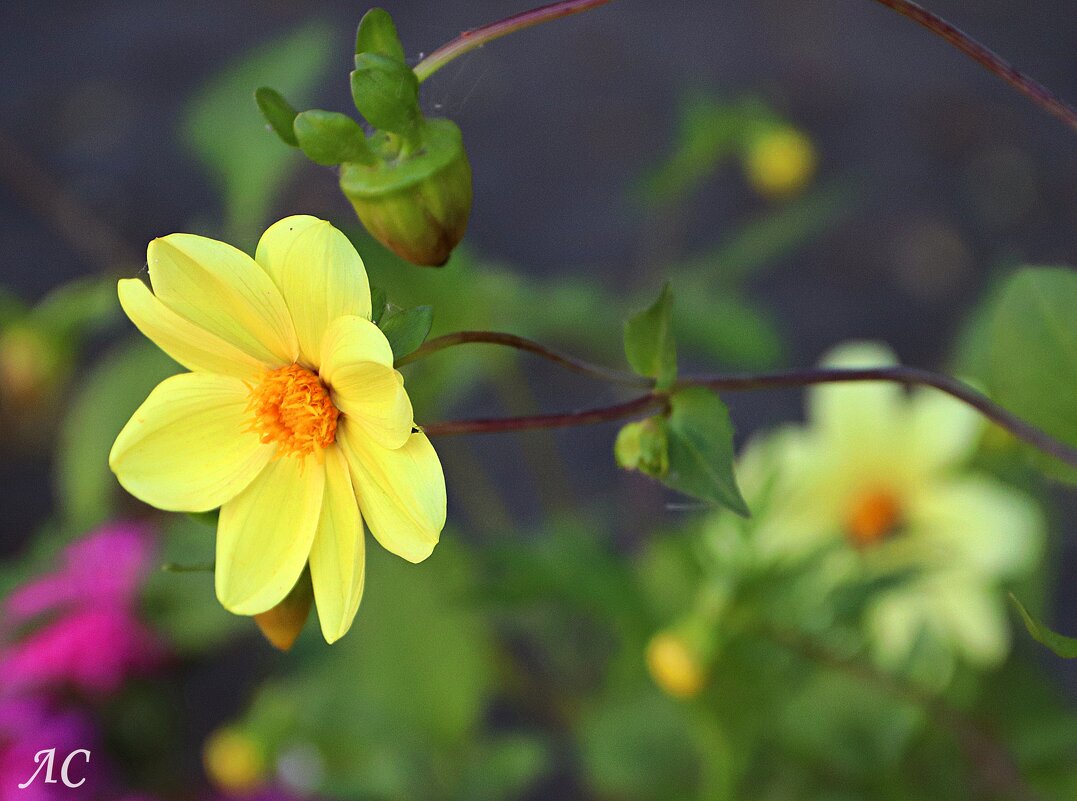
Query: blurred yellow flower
[
  {"x": 675, "y": 666},
  {"x": 292, "y": 421},
  {"x": 779, "y": 162},
  {"x": 880, "y": 471},
  {"x": 233, "y": 761}
]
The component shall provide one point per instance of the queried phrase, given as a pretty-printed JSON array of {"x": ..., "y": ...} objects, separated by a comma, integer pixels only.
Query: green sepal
[
  {"x": 329, "y": 138},
  {"x": 407, "y": 330},
  {"x": 377, "y": 34},
  {"x": 386, "y": 92},
  {"x": 378, "y": 302},
  {"x": 278, "y": 112},
  {"x": 700, "y": 448},
  {"x": 1063, "y": 646},
  {"x": 649, "y": 343}
]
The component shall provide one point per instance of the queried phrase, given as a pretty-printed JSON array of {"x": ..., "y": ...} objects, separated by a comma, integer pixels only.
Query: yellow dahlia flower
[
  {"x": 292, "y": 419},
  {"x": 877, "y": 476}
]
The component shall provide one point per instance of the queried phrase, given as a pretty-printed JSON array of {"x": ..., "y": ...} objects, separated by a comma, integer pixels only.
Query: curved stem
[
  {"x": 530, "y": 346},
  {"x": 477, "y": 37},
  {"x": 907, "y": 376},
  {"x": 499, "y": 425},
  {"x": 1036, "y": 92},
  {"x": 731, "y": 382}
]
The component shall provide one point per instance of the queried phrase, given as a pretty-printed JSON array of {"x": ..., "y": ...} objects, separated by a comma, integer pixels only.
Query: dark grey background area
[{"x": 957, "y": 173}]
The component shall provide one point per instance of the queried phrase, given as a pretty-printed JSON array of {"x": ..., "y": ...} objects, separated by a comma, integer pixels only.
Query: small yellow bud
[
  {"x": 675, "y": 665},
  {"x": 283, "y": 624},
  {"x": 234, "y": 762},
  {"x": 780, "y": 162}
]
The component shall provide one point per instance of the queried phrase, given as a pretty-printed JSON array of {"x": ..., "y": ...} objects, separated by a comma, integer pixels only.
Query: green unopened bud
[
  {"x": 377, "y": 34},
  {"x": 416, "y": 204},
  {"x": 643, "y": 446},
  {"x": 386, "y": 92}
]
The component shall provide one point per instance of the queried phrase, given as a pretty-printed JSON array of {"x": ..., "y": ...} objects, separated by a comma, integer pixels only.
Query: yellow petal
[
  {"x": 942, "y": 431},
  {"x": 357, "y": 365},
  {"x": 192, "y": 346},
  {"x": 373, "y": 397},
  {"x": 224, "y": 291},
  {"x": 350, "y": 340},
  {"x": 319, "y": 273},
  {"x": 401, "y": 492},
  {"x": 185, "y": 449},
  {"x": 337, "y": 560},
  {"x": 265, "y": 534},
  {"x": 856, "y": 420}
]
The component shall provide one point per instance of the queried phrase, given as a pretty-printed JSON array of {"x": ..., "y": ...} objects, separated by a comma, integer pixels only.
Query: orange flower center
[
  {"x": 292, "y": 408},
  {"x": 872, "y": 516}
]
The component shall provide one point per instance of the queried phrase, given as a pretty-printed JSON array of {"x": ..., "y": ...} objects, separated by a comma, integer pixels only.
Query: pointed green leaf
[
  {"x": 278, "y": 112},
  {"x": 1033, "y": 359},
  {"x": 378, "y": 301},
  {"x": 1066, "y": 647},
  {"x": 700, "y": 449},
  {"x": 407, "y": 330},
  {"x": 649, "y": 342},
  {"x": 386, "y": 92},
  {"x": 377, "y": 34},
  {"x": 329, "y": 138}
]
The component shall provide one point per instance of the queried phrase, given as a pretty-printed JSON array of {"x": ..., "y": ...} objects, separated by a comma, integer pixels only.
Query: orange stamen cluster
[
  {"x": 292, "y": 409},
  {"x": 872, "y": 516}
]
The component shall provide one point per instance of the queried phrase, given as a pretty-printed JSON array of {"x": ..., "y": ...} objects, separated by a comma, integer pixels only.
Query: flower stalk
[{"x": 727, "y": 382}]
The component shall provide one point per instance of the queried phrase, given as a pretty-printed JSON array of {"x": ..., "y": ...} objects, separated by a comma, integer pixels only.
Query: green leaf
[
  {"x": 329, "y": 138},
  {"x": 407, "y": 330},
  {"x": 649, "y": 342},
  {"x": 1033, "y": 359},
  {"x": 1065, "y": 647},
  {"x": 386, "y": 92},
  {"x": 700, "y": 436},
  {"x": 103, "y": 404},
  {"x": 278, "y": 112},
  {"x": 378, "y": 301},
  {"x": 78, "y": 308},
  {"x": 228, "y": 133},
  {"x": 377, "y": 34}
]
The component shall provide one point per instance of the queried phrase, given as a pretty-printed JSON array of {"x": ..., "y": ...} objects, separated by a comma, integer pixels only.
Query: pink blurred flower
[
  {"x": 107, "y": 567},
  {"x": 88, "y": 634},
  {"x": 28, "y": 726}
]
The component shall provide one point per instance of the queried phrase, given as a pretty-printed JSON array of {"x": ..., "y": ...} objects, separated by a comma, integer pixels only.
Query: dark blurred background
[{"x": 948, "y": 175}]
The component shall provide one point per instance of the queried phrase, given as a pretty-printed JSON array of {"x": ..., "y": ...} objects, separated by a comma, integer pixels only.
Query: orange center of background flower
[
  {"x": 872, "y": 516},
  {"x": 292, "y": 408}
]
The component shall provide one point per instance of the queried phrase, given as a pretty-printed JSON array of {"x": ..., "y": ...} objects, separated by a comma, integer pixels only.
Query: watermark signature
[{"x": 45, "y": 759}]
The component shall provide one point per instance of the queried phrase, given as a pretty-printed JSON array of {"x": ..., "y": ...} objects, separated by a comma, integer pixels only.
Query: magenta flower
[
  {"x": 28, "y": 726},
  {"x": 85, "y": 631}
]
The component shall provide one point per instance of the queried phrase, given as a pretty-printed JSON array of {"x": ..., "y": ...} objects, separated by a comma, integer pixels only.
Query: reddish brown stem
[
  {"x": 477, "y": 37},
  {"x": 1036, "y": 92}
]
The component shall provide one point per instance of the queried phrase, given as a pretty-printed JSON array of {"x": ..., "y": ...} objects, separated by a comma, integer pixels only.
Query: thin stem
[
  {"x": 1036, "y": 92},
  {"x": 907, "y": 376},
  {"x": 530, "y": 346},
  {"x": 734, "y": 382},
  {"x": 477, "y": 37},
  {"x": 499, "y": 425}
]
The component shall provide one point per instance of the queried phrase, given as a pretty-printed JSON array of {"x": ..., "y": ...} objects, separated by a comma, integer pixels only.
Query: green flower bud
[
  {"x": 643, "y": 446},
  {"x": 417, "y": 201}
]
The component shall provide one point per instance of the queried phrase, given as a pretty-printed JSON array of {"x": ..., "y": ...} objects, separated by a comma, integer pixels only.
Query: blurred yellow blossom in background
[
  {"x": 878, "y": 477},
  {"x": 779, "y": 162}
]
